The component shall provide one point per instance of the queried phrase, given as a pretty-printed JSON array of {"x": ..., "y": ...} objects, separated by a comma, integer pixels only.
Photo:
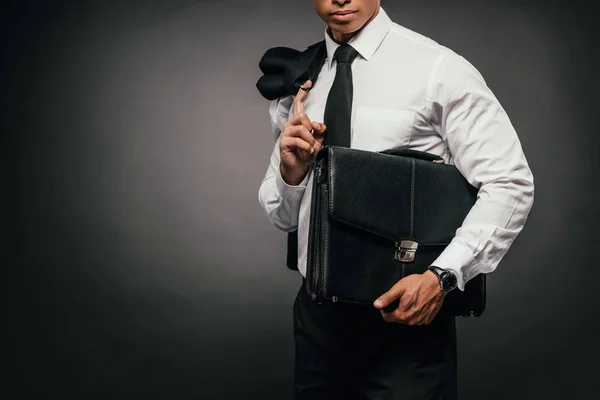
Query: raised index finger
[{"x": 300, "y": 96}]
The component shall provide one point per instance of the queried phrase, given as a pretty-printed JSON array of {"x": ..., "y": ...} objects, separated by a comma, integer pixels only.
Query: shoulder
[
  {"x": 443, "y": 62},
  {"x": 402, "y": 34}
]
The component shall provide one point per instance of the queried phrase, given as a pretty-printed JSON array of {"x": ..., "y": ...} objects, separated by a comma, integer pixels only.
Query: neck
[{"x": 344, "y": 37}]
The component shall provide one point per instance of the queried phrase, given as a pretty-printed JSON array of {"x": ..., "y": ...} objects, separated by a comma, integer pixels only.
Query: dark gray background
[{"x": 138, "y": 261}]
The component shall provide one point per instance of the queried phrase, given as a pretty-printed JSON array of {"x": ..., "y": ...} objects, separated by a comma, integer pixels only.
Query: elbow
[
  {"x": 283, "y": 224},
  {"x": 528, "y": 188},
  {"x": 522, "y": 189},
  {"x": 275, "y": 213},
  {"x": 511, "y": 191}
]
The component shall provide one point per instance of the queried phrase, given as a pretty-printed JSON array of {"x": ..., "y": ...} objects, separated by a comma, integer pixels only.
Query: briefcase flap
[{"x": 395, "y": 197}]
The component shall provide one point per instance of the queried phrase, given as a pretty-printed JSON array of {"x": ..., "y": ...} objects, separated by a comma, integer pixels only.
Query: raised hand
[{"x": 300, "y": 142}]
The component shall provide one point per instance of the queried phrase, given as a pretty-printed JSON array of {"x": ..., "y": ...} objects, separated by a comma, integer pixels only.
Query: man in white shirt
[{"x": 407, "y": 91}]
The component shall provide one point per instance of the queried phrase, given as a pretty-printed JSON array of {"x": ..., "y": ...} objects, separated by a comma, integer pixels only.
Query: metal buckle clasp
[{"x": 406, "y": 250}]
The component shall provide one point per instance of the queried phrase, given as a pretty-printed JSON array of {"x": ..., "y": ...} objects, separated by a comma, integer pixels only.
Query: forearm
[
  {"x": 490, "y": 228},
  {"x": 281, "y": 200},
  {"x": 291, "y": 177}
]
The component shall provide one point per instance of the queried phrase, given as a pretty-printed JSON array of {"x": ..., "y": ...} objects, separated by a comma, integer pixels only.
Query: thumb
[
  {"x": 394, "y": 293},
  {"x": 318, "y": 133},
  {"x": 319, "y": 127}
]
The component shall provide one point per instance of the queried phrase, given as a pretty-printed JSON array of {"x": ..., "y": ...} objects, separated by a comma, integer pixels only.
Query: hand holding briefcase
[{"x": 377, "y": 217}]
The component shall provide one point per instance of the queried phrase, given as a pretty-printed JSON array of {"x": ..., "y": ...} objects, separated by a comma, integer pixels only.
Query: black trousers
[{"x": 347, "y": 351}]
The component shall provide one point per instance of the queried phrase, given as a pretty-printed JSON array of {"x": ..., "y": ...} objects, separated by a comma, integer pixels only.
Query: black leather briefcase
[{"x": 377, "y": 217}]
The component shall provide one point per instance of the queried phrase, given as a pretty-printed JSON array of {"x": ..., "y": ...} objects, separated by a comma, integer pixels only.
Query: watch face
[{"x": 449, "y": 281}]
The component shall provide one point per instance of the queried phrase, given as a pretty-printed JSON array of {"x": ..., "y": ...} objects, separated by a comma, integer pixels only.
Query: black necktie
[{"x": 338, "y": 108}]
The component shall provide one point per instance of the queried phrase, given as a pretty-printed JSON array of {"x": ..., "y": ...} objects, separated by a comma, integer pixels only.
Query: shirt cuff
[
  {"x": 286, "y": 190},
  {"x": 458, "y": 259}
]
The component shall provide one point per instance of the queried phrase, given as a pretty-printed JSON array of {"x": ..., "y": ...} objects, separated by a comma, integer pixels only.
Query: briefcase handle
[{"x": 404, "y": 152}]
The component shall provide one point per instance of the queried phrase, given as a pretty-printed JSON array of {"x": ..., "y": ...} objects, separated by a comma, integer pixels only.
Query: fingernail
[
  {"x": 378, "y": 303},
  {"x": 312, "y": 150}
]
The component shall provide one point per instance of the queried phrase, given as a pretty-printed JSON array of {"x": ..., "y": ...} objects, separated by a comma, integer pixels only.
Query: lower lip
[{"x": 343, "y": 17}]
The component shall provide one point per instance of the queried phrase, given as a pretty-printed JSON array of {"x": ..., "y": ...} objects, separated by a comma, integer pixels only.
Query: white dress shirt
[{"x": 411, "y": 91}]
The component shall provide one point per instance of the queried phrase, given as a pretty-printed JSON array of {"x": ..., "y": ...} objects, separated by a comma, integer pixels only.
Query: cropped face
[{"x": 346, "y": 17}]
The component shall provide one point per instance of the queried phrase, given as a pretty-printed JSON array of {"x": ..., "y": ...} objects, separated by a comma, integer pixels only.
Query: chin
[{"x": 345, "y": 28}]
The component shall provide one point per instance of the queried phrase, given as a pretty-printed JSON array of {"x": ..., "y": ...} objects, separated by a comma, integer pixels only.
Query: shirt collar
[{"x": 366, "y": 41}]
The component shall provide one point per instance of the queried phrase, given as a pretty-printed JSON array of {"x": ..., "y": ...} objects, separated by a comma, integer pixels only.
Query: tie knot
[{"x": 345, "y": 54}]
